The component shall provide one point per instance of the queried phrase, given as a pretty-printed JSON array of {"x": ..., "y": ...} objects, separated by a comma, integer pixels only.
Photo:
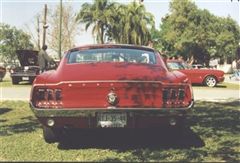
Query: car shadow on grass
[
  {"x": 125, "y": 139},
  {"x": 204, "y": 86},
  {"x": 208, "y": 119},
  {"x": 27, "y": 124},
  {"x": 5, "y": 110}
]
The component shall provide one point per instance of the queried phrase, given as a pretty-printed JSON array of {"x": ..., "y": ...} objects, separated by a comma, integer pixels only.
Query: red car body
[
  {"x": 209, "y": 77},
  {"x": 87, "y": 93}
]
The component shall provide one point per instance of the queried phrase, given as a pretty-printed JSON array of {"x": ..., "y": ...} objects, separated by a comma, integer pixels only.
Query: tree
[
  {"x": 96, "y": 14},
  {"x": 127, "y": 24},
  {"x": 12, "y": 39},
  {"x": 35, "y": 33},
  {"x": 198, "y": 34},
  {"x": 131, "y": 24},
  {"x": 69, "y": 28}
]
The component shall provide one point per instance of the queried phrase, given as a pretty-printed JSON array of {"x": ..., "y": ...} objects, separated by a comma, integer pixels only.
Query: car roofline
[{"x": 96, "y": 46}]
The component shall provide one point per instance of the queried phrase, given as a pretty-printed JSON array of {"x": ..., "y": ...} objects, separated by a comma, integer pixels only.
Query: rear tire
[
  {"x": 210, "y": 81},
  {"x": 51, "y": 135},
  {"x": 15, "y": 80}
]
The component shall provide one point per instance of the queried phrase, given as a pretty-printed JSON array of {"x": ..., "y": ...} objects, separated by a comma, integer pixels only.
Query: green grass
[
  {"x": 230, "y": 86},
  {"x": 7, "y": 82},
  {"x": 213, "y": 135}
]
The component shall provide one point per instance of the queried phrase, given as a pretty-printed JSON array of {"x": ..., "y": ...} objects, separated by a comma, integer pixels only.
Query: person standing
[
  {"x": 150, "y": 44},
  {"x": 44, "y": 59}
]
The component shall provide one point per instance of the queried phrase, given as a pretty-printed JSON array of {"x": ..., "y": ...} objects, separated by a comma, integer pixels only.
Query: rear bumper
[
  {"x": 22, "y": 74},
  {"x": 86, "y": 112},
  {"x": 87, "y": 118}
]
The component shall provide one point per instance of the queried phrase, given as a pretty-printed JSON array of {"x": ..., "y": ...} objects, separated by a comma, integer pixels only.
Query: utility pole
[
  {"x": 45, "y": 26},
  {"x": 60, "y": 32},
  {"x": 38, "y": 33}
]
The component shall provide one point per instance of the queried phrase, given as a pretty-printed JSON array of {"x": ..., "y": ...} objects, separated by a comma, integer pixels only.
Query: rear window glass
[{"x": 112, "y": 55}]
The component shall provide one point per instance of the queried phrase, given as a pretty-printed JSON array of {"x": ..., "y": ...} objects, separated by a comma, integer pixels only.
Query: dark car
[
  {"x": 29, "y": 68},
  {"x": 2, "y": 73},
  {"x": 110, "y": 86}
]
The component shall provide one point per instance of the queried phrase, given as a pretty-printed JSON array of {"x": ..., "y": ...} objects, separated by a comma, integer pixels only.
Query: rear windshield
[{"x": 112, "y": 55}]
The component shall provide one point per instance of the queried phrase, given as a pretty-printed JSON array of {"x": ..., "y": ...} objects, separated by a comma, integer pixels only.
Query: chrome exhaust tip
[{"x": 50, "y": 122}]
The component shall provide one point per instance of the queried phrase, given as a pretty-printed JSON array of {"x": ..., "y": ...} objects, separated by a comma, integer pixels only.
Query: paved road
[
  {"x": 15, "y": 93},
  {"x": 213, "y": 94},
  {"x": 200, "y": 93}
]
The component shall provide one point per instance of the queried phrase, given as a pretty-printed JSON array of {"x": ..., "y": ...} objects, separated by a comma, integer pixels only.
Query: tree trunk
[{"x": 101, "y": 35}]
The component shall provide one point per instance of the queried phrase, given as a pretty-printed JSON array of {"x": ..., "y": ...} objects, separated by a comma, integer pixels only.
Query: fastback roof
[{"x": 127, "y": 46}]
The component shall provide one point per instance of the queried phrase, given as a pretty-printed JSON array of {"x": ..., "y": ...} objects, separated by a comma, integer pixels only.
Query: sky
[{"x": 20, "y": 13}]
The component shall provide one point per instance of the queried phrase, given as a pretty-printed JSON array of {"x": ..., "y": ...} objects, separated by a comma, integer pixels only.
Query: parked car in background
[
  {"x": 197, "y": 66},
  {"x": 2, "y": 73},
  {"x": 28, "y": 69},
  {"x": 208, "y": 77},
  {"x": 110, "y": 86}
]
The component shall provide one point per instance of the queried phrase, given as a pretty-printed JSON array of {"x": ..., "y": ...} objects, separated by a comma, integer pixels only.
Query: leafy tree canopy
[
  {"x": 127, "y": 24},
  {"x": 12, "y": 39},
  {"x": 195, "y": 33}
]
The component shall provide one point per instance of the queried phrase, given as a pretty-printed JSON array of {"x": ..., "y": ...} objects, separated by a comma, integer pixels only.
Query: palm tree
[
  {"x": 127, "y": 24},
  {"x": 117, "y": 22},
  {"x": 96, "y": 14},
  {"x": 139, "y": 24},
  {"x": 131, "y": 24}
]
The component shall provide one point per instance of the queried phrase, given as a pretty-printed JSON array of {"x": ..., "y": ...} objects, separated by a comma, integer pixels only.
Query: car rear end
[
  {"x": 98, "y": 95},
  {"x": 129, "y": 104},
  {"x": 28, "y": 69},
  {"x": 25, "y": 73}
]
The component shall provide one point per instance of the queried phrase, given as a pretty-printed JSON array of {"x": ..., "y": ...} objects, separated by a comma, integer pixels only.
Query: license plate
[
  {"x": 111, "y": 120},
  {"x": 25, "y": 78}
]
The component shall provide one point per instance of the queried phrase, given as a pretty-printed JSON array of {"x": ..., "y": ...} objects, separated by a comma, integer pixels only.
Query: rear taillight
[
  {"x": 47, "y": 98},
  {"x": 174, "y": 97}
]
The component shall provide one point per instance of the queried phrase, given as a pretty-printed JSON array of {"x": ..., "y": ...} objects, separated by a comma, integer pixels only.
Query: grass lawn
[
  {"x": 8, "y": 83},
  {"x": 213, "y": 134}
]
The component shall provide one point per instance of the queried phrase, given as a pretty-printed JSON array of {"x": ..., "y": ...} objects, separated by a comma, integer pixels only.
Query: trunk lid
[
  {"x": 113, "y": 71},
  {"x": 134, "y": 85},
  {"x": 27, "y": 57}
]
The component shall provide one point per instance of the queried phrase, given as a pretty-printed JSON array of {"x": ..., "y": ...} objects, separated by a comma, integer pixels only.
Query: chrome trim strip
[
  {"x": 86, "y": 112},
  {"x": 107, "y": 81}
]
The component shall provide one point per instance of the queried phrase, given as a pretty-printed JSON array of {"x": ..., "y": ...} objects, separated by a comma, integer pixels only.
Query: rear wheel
[
  {"x": 51, "y": 135},
  {"x": 210, "y": 81},
  {"x": 15, "y": 80}
]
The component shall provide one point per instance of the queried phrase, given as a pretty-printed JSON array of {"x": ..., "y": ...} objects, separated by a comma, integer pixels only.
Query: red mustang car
[
  {"x": 109, "y": 86},
  {"x": 208, "y": 77}
]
